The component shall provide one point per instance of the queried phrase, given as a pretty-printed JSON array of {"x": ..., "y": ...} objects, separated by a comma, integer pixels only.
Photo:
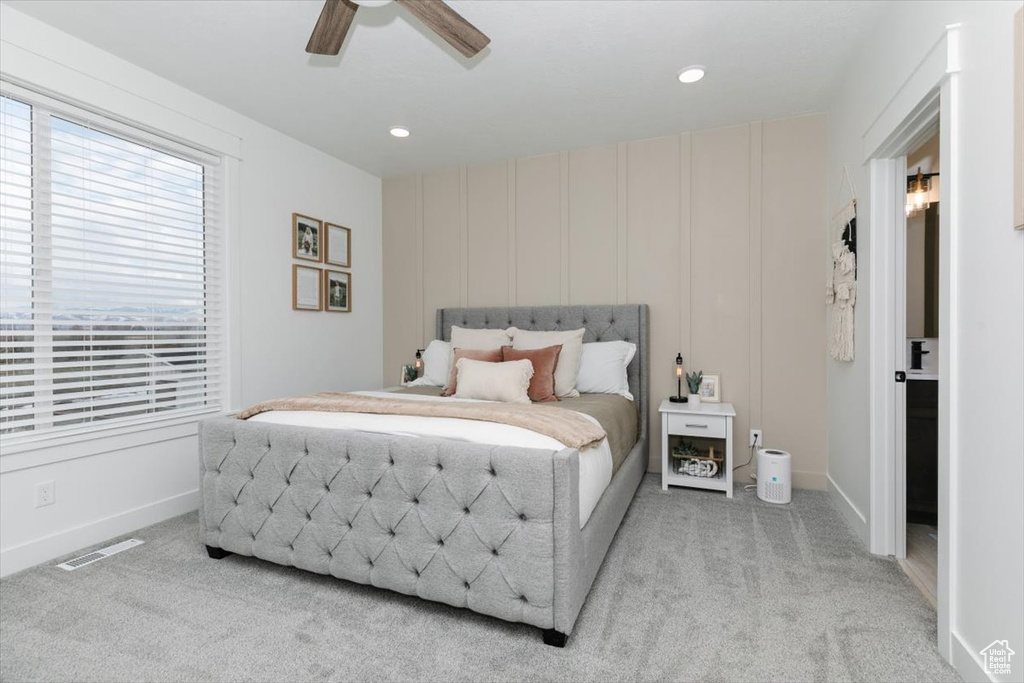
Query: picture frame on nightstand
[
  {"x": 711, "y": 389},
  {"x": 408, "y": 375}
]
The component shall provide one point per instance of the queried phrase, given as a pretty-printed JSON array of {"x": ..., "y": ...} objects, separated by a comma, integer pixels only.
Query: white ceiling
[{"x": 558, "y": 74}]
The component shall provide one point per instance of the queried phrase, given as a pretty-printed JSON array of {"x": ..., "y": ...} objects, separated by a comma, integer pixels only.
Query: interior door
[{"x": 899, "y": 328}]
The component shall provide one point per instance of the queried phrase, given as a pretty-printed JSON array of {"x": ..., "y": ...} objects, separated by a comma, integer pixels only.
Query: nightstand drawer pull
[{"x": 693, "y": 426}]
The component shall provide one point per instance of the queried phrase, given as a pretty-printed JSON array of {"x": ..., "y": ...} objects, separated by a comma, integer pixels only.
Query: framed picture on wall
[
  {"x": 339, "y": 291},
  {"x": 337, "y": 245},
  {"x": 306, "y": 292},
  {"x": 306, "y": 238},
  {"x": 711, "y": 389}
]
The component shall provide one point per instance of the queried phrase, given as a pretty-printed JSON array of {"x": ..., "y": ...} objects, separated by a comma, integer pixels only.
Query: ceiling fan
[{"x": 337, "y": 15}]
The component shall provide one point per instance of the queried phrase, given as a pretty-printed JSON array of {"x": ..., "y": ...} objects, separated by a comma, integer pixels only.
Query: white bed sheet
[{"x": 595, "y": 462}]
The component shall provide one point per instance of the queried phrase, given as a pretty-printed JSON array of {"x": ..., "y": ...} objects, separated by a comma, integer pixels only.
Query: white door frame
[{"x": 930, "y": 94}]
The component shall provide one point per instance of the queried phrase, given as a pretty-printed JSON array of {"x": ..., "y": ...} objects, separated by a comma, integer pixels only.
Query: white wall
[
  {"x": 116, "y": 486},
  {"x": 987, "y": 595}
]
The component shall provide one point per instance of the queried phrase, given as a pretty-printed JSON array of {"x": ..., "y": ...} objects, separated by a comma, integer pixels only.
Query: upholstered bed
[{"x": 495, "y": 529}]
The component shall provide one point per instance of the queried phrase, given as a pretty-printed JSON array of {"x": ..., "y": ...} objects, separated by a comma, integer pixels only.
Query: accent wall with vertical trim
[{"x": 719, "y": 231}]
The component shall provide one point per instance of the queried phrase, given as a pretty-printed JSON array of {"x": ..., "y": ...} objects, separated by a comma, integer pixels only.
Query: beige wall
[
  {"x": 915, "y": 275},
  {"x": 925, "y": 157},
  {"x": 719, "y": 231}
]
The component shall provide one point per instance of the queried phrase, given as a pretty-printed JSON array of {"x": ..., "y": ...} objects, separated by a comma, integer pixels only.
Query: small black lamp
[
  {"x": 419, "y": 362},
  {"x": 679, "y": 398}
]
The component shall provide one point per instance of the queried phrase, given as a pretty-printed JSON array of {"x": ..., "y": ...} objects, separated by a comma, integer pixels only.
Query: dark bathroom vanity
[{"x": 922, "y": 451}]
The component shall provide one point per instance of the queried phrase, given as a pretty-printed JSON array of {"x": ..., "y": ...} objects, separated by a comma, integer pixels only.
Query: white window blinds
[{"x": 110, "y": 268}]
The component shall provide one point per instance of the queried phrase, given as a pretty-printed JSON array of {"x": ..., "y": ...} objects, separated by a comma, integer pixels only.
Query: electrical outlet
[
  {"x": 45, "y": 494},
  {"x": 755, "y": 438}
]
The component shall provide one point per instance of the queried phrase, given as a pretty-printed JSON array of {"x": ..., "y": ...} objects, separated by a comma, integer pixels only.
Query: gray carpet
[{"x": 695, "y": 587}]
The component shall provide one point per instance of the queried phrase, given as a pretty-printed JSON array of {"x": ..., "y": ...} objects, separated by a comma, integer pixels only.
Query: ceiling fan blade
[
  {"x": 331, "y": 27},
  {"x": 448, "y": 24}
]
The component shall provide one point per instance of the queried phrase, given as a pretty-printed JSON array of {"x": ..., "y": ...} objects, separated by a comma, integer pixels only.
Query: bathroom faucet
[{"x": 916, "y": 352}]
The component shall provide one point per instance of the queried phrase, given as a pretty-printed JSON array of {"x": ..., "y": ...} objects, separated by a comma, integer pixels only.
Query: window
[{"x": 110, "y": 270}]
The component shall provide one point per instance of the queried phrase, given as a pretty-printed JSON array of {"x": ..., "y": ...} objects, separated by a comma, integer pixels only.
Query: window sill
[{"x": 58, "y": 448}]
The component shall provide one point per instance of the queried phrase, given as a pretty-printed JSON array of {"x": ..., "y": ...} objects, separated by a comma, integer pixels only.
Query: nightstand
[{"x": 706, "y": 431}]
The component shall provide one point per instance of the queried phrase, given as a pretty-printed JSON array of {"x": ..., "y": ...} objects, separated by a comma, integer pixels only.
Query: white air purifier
[{"x": 774, "y": 476}]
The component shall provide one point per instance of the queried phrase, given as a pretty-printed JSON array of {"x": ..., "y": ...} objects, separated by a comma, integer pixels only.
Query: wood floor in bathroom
[{"x": 922, "y": 563}]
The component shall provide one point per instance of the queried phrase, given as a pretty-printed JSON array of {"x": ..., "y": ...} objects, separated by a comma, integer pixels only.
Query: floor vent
[{"x": 97, "y": 555}]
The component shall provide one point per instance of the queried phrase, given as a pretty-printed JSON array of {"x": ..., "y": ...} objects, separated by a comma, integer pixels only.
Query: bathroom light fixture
[
  {"x": 918, "y": 189},
  {"x": 692, "y": 74},
  {"x": 400, "y": 132}
]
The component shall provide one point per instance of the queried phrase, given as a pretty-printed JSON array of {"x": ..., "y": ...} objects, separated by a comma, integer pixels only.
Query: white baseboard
[
  {"x": 853, "y": 516},
  {"x": 63, "y": 542},
  {"x": 813, "y": 481},
  {"x": 968, "y": 663}
]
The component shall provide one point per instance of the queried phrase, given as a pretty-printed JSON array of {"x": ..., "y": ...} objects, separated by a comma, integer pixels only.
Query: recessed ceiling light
[
  {"x": 399, "y": 132},
  {"x": 691, "y": 74}
]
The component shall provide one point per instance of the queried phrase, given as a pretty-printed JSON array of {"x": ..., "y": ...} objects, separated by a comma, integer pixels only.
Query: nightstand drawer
[{"x": 697, "y": 425}]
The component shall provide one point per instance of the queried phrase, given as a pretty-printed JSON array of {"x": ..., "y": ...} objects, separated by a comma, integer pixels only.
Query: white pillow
[
  {"x": 603, "y": 368},
  {"x": 465, "y": 338},
  {"x": 507, "y": 382},
  {"x": 437, "y": 360},
  {"x": 568, "y": 360}
]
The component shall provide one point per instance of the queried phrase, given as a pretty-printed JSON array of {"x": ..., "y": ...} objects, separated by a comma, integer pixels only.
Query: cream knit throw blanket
[{"x": 573, "y": 429}]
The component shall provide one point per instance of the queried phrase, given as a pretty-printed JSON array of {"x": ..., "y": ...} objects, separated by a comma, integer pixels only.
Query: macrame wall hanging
[{"x": 841, "y": 294}]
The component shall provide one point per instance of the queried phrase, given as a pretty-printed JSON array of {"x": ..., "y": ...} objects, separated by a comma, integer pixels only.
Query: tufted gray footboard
[{"x": 493, "y": 529}]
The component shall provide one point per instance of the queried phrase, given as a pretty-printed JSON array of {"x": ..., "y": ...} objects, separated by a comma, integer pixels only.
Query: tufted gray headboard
[{"x": 627, "y": 322}]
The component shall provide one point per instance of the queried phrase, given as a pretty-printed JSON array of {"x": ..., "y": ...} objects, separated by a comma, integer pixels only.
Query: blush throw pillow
[
  {"x": 482, "y": 355},
  {"x": 568, "y": 360},
  {"x": 544, "y": 361},
  {"x": 506, "y": 382}
]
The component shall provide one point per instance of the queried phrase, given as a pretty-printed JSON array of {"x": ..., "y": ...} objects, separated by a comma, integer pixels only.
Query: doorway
[
  {"x": 917, "y": 545},
  {"x": 926, "y": 102}
]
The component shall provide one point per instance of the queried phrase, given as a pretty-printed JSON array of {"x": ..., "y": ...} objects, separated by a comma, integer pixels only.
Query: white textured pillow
[
  {"x": 465, "y": 338},
  {"x": 603, "y": 368},
  {"x": 437, "y": 360},
  {"x": 568, "y": 366},
  {"x": 507, "y": 382}
]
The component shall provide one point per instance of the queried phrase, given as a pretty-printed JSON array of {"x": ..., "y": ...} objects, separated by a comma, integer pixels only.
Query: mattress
[
  {"x": 597, "y": 464},
  {"x": 617, "y": 415}
]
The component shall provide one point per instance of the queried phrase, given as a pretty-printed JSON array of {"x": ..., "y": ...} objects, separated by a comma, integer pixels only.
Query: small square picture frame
[
  {"x": 337, "y": 245},
  {"x": 307, "y": 234},
  {"x": 711, "y": 389},
  {"x": 307, "y": 288},
  {"x": 408, "y": 375},
  {"x": 338, "y": 288}
]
